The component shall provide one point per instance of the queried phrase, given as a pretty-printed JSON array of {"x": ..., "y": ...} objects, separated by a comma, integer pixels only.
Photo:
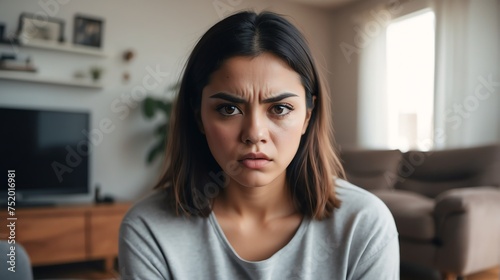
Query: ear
[{"x": 308, "y": 115}]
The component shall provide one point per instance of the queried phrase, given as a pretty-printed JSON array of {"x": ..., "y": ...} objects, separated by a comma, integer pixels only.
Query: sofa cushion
[
  {"x": 371, "y": 169},
  {"x": 431, "y": 173},
  {"x": 413, "y": 213}
]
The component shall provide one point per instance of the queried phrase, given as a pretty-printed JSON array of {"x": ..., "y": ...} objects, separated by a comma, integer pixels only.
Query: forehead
[{"x": 265, "y": 74}]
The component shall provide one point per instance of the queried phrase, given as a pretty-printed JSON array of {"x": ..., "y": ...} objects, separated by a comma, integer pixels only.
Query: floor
[
  {"x": 493, "y": 274},
  {"x": 94, "y": 271}
]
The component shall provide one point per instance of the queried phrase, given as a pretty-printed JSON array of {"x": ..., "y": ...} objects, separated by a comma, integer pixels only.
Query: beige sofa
[{"x": 446, "y": 203}]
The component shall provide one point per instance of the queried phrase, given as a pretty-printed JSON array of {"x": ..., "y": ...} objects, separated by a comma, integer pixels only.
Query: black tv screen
[{"x": 48, "y": 150}]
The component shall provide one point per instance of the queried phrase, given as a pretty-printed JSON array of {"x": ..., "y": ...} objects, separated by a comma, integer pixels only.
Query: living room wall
[{"x": 161, "y": 33}]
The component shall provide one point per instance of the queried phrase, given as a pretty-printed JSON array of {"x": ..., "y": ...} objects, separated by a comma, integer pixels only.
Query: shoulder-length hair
[{"x": 191, "y": 175}]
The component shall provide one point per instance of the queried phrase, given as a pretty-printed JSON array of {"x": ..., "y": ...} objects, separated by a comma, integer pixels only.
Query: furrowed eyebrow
[
  {"x": 228, "y": 97},
  {"x": 234, "y": 99},
  {"x": 279, "y": 97}
]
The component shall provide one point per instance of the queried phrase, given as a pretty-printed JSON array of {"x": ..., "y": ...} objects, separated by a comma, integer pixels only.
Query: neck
[{"x": 262, "y": 203}]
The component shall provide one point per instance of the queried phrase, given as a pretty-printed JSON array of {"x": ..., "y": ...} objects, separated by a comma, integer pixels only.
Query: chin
[
  {"x": 252, "y": 180},
  {"x": 252, "y": 184}
]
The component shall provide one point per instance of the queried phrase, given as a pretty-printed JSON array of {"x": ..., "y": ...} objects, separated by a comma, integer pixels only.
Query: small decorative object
[
  {"x": 126, "y": 76},
  {"x": 98, "y": 198},
  {"x": 36, "y": 27},
  {"x": 128, "y": 55},
  {"x": 79, "y": 75},
  {"x": 88, "y": 31},
  {"x": 96, "y": 73},
  {"x": 16, "y": 62}
]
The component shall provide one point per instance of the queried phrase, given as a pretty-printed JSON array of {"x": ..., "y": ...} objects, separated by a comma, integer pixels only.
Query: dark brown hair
[{"x": 192, "y": 177}]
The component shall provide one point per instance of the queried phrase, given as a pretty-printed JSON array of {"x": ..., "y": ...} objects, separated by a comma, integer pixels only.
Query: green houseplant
[
  {"x": 96, "y": 73},
  {"x": 150, "y": 107}
]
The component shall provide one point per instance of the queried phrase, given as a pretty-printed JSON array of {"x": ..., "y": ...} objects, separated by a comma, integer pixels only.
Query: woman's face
[{"x": 253, "y": 113}]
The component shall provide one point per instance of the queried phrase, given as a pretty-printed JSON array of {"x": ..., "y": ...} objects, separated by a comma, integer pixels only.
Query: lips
[
  {"x": 254, "y": 156},
  {"x": 254, "y": 160}
]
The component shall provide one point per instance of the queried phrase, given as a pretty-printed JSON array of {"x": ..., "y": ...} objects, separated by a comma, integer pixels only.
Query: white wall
[{"x": 162, "y": 33}]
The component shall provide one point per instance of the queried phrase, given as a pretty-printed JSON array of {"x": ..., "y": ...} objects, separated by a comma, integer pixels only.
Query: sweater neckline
[{"x": 262, "y": 263}]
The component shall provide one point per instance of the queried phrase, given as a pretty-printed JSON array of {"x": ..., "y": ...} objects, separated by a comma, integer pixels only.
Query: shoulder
[
  {"x": 356, "y": 199},
  {"x": 148, "y": 232},
  {"x": 152, "y": 214},
  {"x": 363, "y": 217},
  {"x": 151, "y": 207},
  {"x": 366, "y": 228},
  {"x": 362, "y": 204}
]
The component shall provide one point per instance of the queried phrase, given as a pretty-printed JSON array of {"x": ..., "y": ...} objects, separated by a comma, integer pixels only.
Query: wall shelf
[
  {"x": 62, "y": 47},
  {"x": 55, "y": 46},
  {"x": 35, "y": 78}
]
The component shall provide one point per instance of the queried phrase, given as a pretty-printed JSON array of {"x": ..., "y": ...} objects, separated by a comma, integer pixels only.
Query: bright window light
[{"x": 410, "y": 81}]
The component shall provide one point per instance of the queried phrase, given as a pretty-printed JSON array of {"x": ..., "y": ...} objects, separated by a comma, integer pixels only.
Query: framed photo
[
  {"x": 37, "y": 27},
  {"x": 88, "y": 31}
]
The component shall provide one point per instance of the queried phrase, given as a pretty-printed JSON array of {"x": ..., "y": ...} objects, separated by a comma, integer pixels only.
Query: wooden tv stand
[{"x": 63, "y": 234}]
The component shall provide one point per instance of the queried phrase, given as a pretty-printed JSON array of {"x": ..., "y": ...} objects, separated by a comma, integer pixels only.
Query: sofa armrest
[
  {"x": 461, "y": 200},
  {"x": 468, "y": 229}
]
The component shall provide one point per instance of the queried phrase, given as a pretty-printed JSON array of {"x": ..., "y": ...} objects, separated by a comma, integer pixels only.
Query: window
[{"x": 410, "y": 81}]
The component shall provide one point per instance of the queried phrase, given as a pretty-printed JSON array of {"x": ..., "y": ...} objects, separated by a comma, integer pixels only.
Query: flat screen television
[{"x": 47, "y": 149}]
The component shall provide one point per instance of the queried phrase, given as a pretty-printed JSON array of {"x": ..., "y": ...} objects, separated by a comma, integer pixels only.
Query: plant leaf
[
  {"x": 162, "y": 129},
  {"x": 166, "y": 107},
  {"x": 157, "y": 150},
  {"x": 149, "y": 107}
]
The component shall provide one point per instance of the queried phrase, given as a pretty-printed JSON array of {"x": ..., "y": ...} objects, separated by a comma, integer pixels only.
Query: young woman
[{"x": 252, "y": 187}]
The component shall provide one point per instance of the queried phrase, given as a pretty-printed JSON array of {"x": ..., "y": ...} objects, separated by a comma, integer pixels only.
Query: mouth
[
  {"x": 254, "y": 160},
  {"x": 254, "y": 156}
]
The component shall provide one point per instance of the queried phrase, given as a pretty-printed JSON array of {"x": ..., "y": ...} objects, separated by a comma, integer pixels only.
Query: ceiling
[{"x": 324, "y": 3}]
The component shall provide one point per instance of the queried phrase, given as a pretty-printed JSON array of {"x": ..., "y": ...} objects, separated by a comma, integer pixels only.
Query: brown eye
[
  {"x": 228, "y": 110},
  {"x": 281, "y": 110}
]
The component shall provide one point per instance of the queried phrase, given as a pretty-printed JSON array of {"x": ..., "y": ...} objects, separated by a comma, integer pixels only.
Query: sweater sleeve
[{"x": 139, "y": 256}]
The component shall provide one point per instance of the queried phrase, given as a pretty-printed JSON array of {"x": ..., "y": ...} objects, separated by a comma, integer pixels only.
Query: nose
[{"x": 254, "y": 129}]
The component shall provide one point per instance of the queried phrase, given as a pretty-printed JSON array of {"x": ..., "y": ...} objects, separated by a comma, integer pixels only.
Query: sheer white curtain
[
  {"x": 372, "y": 108},
  {"x": 467, "y": 89}
]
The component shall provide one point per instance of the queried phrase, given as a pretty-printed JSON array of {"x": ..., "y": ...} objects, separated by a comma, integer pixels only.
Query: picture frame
[
  {"x": 37, "y": 27},
  {"x": 88, "y": 31}
]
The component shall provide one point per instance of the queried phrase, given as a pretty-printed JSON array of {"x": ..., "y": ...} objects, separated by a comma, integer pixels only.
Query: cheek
[
  {"x": 217, "y": 132},
  {"x": 286, "y": 136},
  {"x": 220, "y": 137}
]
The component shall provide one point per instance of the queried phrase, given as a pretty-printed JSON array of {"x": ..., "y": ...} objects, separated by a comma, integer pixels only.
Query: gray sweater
[{"x": 359, "y": 241}]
